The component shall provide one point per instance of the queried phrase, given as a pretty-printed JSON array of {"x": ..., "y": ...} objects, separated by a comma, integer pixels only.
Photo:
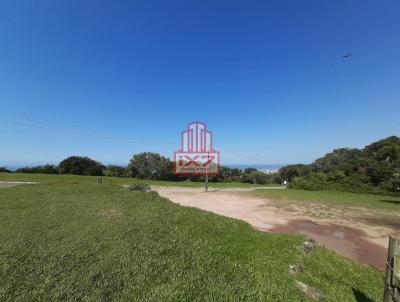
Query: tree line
[
  {"x": 373, "y": 169},
  {"x": 146, "y": 165}
]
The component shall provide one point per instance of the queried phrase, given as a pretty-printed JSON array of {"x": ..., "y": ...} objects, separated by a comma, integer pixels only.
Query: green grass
[
  {"x": 70, "y": 239},
  {"x": 46, "y": 178},
  {"x": 334, "y": 198}
]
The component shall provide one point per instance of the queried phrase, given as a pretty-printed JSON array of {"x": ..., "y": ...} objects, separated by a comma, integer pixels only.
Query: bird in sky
[{"x": 346, "y": 56}]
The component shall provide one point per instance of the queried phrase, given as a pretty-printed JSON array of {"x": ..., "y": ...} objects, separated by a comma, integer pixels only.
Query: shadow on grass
[
  {"x": 360, "y": 297},
  {"x": 397, "y": 201}
]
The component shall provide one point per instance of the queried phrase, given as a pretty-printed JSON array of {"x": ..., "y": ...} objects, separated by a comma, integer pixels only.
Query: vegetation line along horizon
[{"x": 373, "y": 169}]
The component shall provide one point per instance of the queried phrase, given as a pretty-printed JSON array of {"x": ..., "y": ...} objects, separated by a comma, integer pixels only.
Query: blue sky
[{"x": 108, "y": 79}]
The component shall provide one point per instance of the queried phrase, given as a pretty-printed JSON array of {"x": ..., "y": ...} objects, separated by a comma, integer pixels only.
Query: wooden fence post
[{"x": 392, "y": 293}]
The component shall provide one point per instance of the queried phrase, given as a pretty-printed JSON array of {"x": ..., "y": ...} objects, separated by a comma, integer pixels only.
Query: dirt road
[{"x": 344, "y": 230}]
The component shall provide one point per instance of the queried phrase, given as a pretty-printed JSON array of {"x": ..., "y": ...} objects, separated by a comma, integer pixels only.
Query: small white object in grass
[
  {"x": 309, "y": 291},
  {"x": 296, "y": 268},
  {"x": 19, "y": 182}
]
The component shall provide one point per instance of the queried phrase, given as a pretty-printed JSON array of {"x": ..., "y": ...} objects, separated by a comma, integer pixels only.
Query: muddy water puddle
[{"x": 346, "y": 241}]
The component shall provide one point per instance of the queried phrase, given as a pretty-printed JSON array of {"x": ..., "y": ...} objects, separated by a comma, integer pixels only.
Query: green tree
[
  {"x": 116, "y": 171},
  {"x": 290, "y": 171},
  {"x": 79, "y": 165},
  {"x": 396, "y": 180},
  {"x": 150, "y": 166},
  {"x": 228, "y": 174},
  {"x": 333, "y": 160},
  {"x": 260, "y": 178},
  {"x": 372, "y": 169},
  {"x": 247, "y": 175}
]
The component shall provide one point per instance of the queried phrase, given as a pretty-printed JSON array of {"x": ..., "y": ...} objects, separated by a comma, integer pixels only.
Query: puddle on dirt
[
  {"x": 345, "y": 241},
  {"x": 307, "y": 225}
]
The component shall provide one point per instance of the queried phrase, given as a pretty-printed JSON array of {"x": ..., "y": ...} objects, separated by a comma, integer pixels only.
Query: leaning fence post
[{"x": 392, "y": 280}]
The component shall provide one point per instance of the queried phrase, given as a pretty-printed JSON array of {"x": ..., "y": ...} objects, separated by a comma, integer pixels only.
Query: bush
[
  {"x": 290, "y": 171},
  {"x": 141, "y": 188},
  {"x": 335, "y": 175},
  {"x": 116, "y": 171},
  {"x": 258, "y": 177},
  {"x": 314, "y": 182},
  {"x": 46, "y": 169},
  {"x": 387, "y": 186},
  {"x": 4, "y": 169}
]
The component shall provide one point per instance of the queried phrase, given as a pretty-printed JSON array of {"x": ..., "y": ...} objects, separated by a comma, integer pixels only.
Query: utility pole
[{"x": 206, "y": 184}]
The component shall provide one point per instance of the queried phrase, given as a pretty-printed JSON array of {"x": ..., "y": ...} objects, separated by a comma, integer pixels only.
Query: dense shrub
[
  {"x": 116, "y": 171},
  {"x": 314, "y": 182},
  {"x": 258, "y": 177},
  {"x": 141, "y": 188},
  {"x": 228, "y": 175},
  {"x": 45, "y": 169},
  {"x": 376, "y": 169},
  {"x": 290, "y": 171}
]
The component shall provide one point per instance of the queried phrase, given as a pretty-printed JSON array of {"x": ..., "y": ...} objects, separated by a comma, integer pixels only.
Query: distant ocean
[
  {"x": 15, "y": 167},
  {"x": 256, "y": 166}
]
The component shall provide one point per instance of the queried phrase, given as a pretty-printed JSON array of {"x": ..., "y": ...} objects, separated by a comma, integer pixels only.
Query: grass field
[
  {"x": 334, "y": 198},
  {"x": 45, "y": 178},
  {"x": 71, "y": 239}
]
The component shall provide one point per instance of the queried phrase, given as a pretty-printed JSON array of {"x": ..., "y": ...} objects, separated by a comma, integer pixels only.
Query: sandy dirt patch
[
  {"x": 9, "y": 184},
  {"x": 347, "y": 230}
]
